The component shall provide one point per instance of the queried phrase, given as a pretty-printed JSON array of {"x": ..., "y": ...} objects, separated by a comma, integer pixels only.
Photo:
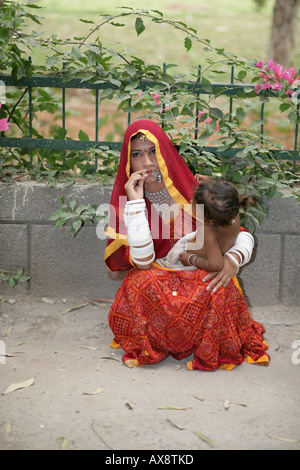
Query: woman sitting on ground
[{"x": 159, "y": 311}]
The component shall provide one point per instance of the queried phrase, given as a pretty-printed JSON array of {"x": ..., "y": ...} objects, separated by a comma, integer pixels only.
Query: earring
[{"x": 158, "y": 176}]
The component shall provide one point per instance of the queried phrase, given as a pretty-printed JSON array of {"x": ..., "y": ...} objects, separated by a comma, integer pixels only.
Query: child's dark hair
[{"x": 221, "y": 201}]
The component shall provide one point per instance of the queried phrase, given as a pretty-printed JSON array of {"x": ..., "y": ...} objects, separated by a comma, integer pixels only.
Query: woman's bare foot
[
  {"x": 116, "y": 275},
  {"x": 131, "y": 363},
  {"x": 115, "y": 345}
]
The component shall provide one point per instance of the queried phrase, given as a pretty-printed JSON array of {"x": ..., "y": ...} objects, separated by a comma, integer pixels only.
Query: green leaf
[
  {"x": 292, "y": 117},
  {"x": 82, "y": 135},
  {"x": 158, "y": 12},
  {"x": 242, "y": 74},
  {"x": 139, "y": 26},
  {"x": 216, "y": 113},
  {"x": 240, "y": 114},
  {"x": 73, "y": 204},
  {"x": 188, "y": 43},
  {"x": 284, "y": 106},
  {"x": 76, "y": 226},
  {"x": 11, "y": 282},
  {"x": 86, "y": 21},
  {"x": 203, "y": 438}
]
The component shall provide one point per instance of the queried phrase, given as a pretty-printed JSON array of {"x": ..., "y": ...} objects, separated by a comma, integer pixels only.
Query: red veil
[{"x": 177, "y": 177}]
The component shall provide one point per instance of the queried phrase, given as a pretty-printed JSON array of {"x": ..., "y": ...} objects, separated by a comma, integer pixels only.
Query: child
[
  {"x": 221, "y": 203},
  {"x": 221, "y": 223}
]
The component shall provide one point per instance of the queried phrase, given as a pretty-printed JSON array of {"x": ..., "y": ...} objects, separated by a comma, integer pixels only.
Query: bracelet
[
  {"x": 193, "y": 261},
  {"x": 233, "y": 258}
]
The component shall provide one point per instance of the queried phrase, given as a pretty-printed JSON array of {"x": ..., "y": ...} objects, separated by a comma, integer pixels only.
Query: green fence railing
[{"x": 231, "y": 90}]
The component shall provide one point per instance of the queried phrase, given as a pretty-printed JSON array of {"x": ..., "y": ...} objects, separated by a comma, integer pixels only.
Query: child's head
[{"x": 221, "y": 201}]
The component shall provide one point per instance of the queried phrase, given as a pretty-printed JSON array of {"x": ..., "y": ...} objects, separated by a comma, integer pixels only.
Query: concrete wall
[{"x": 61, "y": 266}]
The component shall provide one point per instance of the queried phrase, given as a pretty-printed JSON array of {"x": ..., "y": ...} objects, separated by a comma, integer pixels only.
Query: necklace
[
  {"x": 161, "y": 201},
  {"x": 159, "y": 197}
]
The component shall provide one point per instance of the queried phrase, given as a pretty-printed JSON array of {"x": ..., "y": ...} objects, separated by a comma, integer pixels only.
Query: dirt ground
[{"x": 81, "y": 396}]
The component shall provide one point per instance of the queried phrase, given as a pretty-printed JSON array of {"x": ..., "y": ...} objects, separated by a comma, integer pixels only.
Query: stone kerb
[{"x": 61, "y": 266}]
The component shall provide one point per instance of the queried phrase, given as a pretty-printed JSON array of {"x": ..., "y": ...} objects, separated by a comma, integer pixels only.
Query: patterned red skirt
[{"x": 159, "y": 312}]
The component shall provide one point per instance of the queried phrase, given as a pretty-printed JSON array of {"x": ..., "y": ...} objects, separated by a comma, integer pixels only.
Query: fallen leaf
[
  {"x": 284, "y": 439},
  {"x": 172, "y": 408},
  {"x": 95, "y": 392},
  {"x": 203, "y": 438},
  {"x": 103, "y": 300},
  {"x": 100, "y": 363},
  {"x": 92, "y": 348},
  {"x": 226, "y": 404},
  {"x": 7, "y": 332},
  {"x": 64, "y": 443},
  {"x": 8, "y": 427},
  {"x": 198, "y": 398},
  {"x": 48, "y": 301},
  {"x": 110, "y": 357},
  {"x": 14, "y": 386},
  {"x": 129, "y": 405},
  {"x": 75, "y": 308},
  {"x": 238, "y": 403},
  {"x": 174, "y": 424}
]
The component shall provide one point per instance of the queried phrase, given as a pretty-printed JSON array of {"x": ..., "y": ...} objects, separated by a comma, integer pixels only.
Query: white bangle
[
  {"x": 193, "y": 262},
  {"x": 138, "y": 232},
  {"x": 233, "y": 259}
]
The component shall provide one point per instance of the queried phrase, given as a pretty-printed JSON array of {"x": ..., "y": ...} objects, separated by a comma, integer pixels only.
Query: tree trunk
[{"x": 283, "y": 31}]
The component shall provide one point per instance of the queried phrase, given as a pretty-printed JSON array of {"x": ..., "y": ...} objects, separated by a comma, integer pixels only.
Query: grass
[{"x": 238, "y": 26}]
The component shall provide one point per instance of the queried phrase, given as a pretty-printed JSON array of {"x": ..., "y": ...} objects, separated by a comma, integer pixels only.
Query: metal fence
[{"x": 231, "y": 90}]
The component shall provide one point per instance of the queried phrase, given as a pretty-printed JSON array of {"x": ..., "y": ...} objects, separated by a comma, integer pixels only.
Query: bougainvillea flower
[
  {"x": 259, "y": 64},
  {"x": 207, "y": 120},
  {"x": 4, "y": 124},
  {"x": 156, "y": 98}
]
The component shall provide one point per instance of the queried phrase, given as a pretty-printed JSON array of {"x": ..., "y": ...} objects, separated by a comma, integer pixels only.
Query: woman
[{"x": 159, "y": 312}]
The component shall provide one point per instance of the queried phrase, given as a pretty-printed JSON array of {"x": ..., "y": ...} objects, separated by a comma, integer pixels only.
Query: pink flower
[
  {"x": 270, "y": 64},
  {"x": 139, "y": 94},
  {"x": 156, "y": 98},
  {"x": 289, "y": 93},
  {"x": 277, "y": 69},
  {"x": 259, "y": 64},
  {"x": 277, "y": 86},
  {"x": 4, "y": 124},
  {"x": 207, "y": 120},
  {"x": 258, "y": 87},
  {"x": 266, "y": 86}
]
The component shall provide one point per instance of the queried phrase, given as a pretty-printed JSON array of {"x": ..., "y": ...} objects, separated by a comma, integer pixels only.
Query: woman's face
[{"x": 143, "y": 157}]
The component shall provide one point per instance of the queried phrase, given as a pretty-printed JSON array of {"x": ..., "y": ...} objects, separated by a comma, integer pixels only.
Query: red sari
[{"x": 161, "y": 312}]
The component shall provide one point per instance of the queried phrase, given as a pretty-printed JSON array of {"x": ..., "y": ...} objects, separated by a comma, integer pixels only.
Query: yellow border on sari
[{"x": 174, "y": 193}]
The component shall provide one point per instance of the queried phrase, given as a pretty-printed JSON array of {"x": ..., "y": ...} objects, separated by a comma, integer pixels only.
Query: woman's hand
[
  {"x": 135, "y": 185},
  {"x": 223, "y": 277},
  {"x": 183, "y": 258},
  {"x": 201, "y": 178}
]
